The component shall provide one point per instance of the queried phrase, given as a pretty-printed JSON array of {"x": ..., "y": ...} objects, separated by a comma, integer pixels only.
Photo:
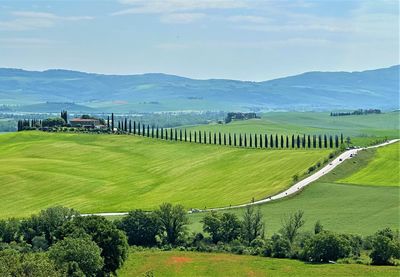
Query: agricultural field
[
  {"x": 362, "y": 129},
  {"x": 351, "y": 207},
  {"x": 111, "y": 173},
  {"x": 187, "y": 264}
]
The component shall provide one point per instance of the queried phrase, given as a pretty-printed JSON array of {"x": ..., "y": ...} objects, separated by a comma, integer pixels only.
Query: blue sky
[{"x": 233, "y": 39}]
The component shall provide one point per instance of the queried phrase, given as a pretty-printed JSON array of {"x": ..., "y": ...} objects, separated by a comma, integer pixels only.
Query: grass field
[
  {"x": 190, "y": 264},
  {"x": 110, "y": 173},
  {"x": 383, "y": 170},
  {"x": 360, "y": 209},
  {"x": 363, "y": 130}
]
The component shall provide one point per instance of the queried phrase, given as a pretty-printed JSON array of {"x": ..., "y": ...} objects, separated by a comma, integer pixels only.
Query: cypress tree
[
  {"x": 308, "y": 141},
  {"x": 298, "y": 141},
  {"x": 261, "y": 142},
  {"x": 199, "y": 137},
  {"x": 219, "y": 138},
  {"x": 224, "y": 139},
  {"x": 314, "y": 142},
  {"x": 341, "y": 138},
  {"x": 250, "y": 141},
  {"x": 112, "y": 122},
  {"x": 185, "y": 135},
  {"x": 266, "y": 141},
  {"x": 240, "y": 140},
  {"x": 255, "y": 141},
  {"x": 170, "y": 134},
  {"x": 143, "y": 130},
  {"x": 230, "y": 139},
  {"x": 319, "y": 141},
  {"x": 139, "y": 128},
  {"x": 134, "y": 127},
  {"x": 195, "y": 136},
  {"x": 119, "y": 125},
  {"x": 325, "y": 142},
  {"x": 271, "y": 141},
  {"x": 205, "y": 137},
  {"x": 282, "y": 146},
  {"x": 126, "y": 125},
  {"x": 245, "y": 140},
  {"x": 215, "y": 138},
  {"x": 293, "y": 143},
  {"x": 336, "y": 141},
  {"x": 166, "y": 134},
  {"x": 209, "y": 138},
  {"x": 276, "y": 141},
  {"x": 287, "y": 142},
  {"x": 330, "y": 141},
  {"x": 130, "y": 126},
  {"x": 180, "y": 134},
  {"x": 190, "y": 136},
  {"x": 108, "y": 122},
  {"x": 157, "y": 132},
  {"x": 304, "y": 141},
  {"x": 162, "y": 133}
]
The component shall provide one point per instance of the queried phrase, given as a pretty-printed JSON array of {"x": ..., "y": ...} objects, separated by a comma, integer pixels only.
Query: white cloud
[
  {"x": 27, "y": 20},
  {"x": 182, "y": 18},
  {"x": 173, "y": 6},
  {"x": 247, "y": 18}
]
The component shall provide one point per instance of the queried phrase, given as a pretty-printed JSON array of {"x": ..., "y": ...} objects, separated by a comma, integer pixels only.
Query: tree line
[
  {"x": 357, "y": 112},
  {"x": 125, "y": 126}
]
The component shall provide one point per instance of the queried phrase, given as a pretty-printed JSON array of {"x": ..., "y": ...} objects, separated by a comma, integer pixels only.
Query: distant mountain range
[{"x": 51, "y": 90}]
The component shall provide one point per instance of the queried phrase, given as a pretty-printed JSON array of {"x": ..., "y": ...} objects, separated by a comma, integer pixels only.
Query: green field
[
  {"x": 363, "y": 129},
  {"x": 383, "y": 170},
  {"x": 188, "y": 264},
  {"x": 110, "y": 173},
  {"x": 360, "y": 209}
]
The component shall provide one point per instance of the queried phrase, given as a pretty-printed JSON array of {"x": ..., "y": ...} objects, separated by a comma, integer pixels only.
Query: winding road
[{"x": 293, "y": 189}]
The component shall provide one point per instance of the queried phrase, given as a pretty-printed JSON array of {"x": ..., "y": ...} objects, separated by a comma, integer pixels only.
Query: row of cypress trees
[
  {"x": 240, "y": 140},
  {"x": 28, "y": 123}
]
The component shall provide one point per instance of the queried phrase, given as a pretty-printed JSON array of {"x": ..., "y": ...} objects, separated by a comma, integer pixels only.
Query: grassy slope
[
  {"x": 189, "y": 264},
  {"x": 362, "y": 129},
  {"x": 98, "y": 173},
  {"x": 383, "y": 170},
  {"x": 344, "y": 208}
]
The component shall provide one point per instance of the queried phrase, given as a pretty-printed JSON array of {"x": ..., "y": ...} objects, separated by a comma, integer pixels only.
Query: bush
[
  {"x": 280, "y": 247},
  {"x": 325, "y": 247},
  {"x": 385, "y": 247}
]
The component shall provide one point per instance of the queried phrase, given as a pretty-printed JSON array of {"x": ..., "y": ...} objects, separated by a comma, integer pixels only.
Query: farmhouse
[{"x": 82, "y": 122}]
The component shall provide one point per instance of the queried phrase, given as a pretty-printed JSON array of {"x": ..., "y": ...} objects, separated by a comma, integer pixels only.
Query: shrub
[
  {"x": 385, "y": 247},
  {"x": 325, "y": 247},
  {"x": 280, "y": 247}
]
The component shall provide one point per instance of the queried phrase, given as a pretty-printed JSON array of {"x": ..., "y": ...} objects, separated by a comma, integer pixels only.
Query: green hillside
[
  {"x": 383, "y": 170},
  {"x": 360, "y": 209},
  {"x": 110, "y": 173},
  {"x": 193, "y": 264},
  {"x": 362, "y": 129}
]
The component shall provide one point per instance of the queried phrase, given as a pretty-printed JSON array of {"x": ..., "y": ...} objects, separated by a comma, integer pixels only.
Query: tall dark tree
[
  {"x": 180, "y": 134},
  {"x": 240, "y": 140},
  {"x": 157, "y": 132},
  {"x": 108, "y": 122},
  {"x": 190, "y": 136},
  {"x": 64, "y": 115},
  {"x": 314, "y": 141},
  {"x": 205, "y": 137},
  {"x": 325, "y": 142},
  {"x": 171, "y": 134},
  {"x": 138, "y": 128},
  {"x": 276, "y": 141},
  {"x": 209, "y": 138},
  {"x": 176, "y": 134},
  {"x": 152, "y": 131},
  {"x": 130, "y": 126},
  {"x": 119, "y": 125},
  {"x": 166, "y": 134},
  {"x": 336, "y": 141},
  {"x": 266, "y": 141},
  {"x": 148, "y": 130},
  {"x": 224, "y": 139},
  {"x": 255, "y": 141},
  {"x": 195, "y": 136},
  {"x": 215, "y": 138},
  {"x": 319, "y": 141},
  {"x": 134, "y": 127},
  {"x": 199, "y": 136},
  {"x": 219, "y": 138},
  {"x": 143, "y": 130},
  {"x": 126, "y": 125},
  {"x": 261, "y": 142},
  {"x": 234, "y": 139},
  {"x": 185, "y": 135},
  {"x": 250, "y": 141},
  {"x": 304, "y": 141},
  {"x": 282, "y": 146},
  {"x": 112, "y": 122},
  {"x": 298, "y": 141},
  {"x": 245, "y": 140},
  {"x": 271, "y": 141},
  {"x": 230, "y": 139},
  {"x": 308, "y": 141},
  {"x": 330, "y": 141},
  {"x": 341, "y": 138},
  {"x": 162, "y": 133}
]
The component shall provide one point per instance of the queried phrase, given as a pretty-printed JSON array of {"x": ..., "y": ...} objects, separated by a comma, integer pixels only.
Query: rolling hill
[{"x": 160, "y": 92}]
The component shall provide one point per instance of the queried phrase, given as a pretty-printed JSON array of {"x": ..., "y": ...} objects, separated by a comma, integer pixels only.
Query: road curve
[{"x": 290, "y": 191}]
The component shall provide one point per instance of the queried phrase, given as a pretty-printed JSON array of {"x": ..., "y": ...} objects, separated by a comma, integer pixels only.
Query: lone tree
[
  {"x": 253, "y": 224},
  {"x": 291, "y": 225},
  {"x": 172, "y": 221},
  {"x": 112, "y": 122}
]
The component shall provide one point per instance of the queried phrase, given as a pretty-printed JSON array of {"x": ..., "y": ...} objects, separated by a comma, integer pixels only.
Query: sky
[{"x": 231, "y": 39}]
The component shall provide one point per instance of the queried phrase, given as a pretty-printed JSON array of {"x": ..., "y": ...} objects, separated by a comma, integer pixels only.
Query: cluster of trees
[
  {"x": 59, "y": 242},
  {"x": 239, "y": 116},
  {"x": 357, "y": 112}
]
